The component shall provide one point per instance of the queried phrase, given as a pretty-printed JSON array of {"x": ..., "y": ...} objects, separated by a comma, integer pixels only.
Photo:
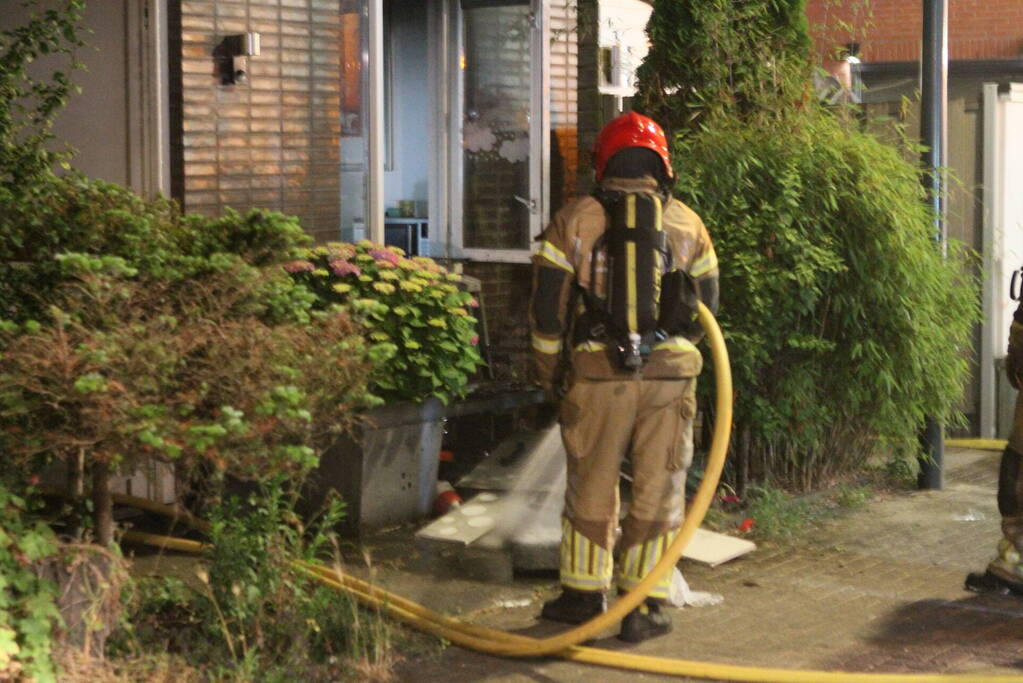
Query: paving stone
[{"x": 879, "y": 589}]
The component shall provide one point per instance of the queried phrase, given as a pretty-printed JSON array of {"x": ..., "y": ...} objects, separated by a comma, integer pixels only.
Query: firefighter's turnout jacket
[
  {"x": 1009, "y": 563},
  {"x": 609, "y": 412},
  {"x": 563, "y": 260}
]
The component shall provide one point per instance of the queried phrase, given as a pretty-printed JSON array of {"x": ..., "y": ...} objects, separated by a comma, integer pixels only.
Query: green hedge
[
  {"x": 75, "y": 214},
  {"x": 845, "y": 324}
]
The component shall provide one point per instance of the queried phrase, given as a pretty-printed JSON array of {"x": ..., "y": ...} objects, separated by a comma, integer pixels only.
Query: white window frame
[
  {"x": 439, "y": 57},
  {"x": 376, "y": 123}
]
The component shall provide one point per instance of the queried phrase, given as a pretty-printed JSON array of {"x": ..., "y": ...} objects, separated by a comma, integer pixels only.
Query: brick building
[
  {"x": 890, "y": 30},
  {"x": 985, "y": 142}
]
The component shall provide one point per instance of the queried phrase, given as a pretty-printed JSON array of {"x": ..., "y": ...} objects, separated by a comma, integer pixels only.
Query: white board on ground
[
  {"x": 465, "y": 524},
  {"x": 712, "y": 549}
]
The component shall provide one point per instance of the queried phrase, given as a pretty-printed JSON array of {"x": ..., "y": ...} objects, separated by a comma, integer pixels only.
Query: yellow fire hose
[
  {"x": 978, "y": 444},
  {"x": 566, "y": 644}
]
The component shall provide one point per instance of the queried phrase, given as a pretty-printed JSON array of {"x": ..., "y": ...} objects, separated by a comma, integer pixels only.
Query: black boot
[
  {"x": 989, "y": 582},
  {"x": 648, "y": 620},
  {"x": 574, "y": 606}
]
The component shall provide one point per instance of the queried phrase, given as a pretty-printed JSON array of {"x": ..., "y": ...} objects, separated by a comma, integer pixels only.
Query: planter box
[
  {"x": 152, "y": 479},
  {"x": 387, "y": 474}
]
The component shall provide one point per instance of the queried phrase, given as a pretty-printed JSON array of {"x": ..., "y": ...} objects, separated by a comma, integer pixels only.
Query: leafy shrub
[
  {"x": 129, "y": 330},
  {"x": 75, "y": 214},
  {"x": 416, "y": 316},
  {"x": 170, "y": 370},
  {"x": 842, "y": 316},
  {"x": 29, "y": 101},
  {"x": 252, "y": 614},
  {"x": 846, "y": 327},
  {"x": 28, "y": 609},
  {"x": 719, "y": 54}
]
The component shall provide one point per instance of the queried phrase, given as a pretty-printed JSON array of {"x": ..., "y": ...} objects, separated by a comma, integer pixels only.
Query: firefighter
[
  {"x": 1005, "y": 573},
  {"x": 608, "y": 410}
]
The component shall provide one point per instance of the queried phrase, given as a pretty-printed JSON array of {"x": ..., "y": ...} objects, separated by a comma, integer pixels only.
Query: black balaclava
[{"x": 636, "y": 162}]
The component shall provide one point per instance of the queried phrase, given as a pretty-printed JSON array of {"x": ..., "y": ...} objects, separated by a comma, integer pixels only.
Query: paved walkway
[{"x": 879, "y": 589}]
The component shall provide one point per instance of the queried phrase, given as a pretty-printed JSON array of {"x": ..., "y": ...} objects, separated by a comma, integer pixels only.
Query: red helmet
[{"x": 630, "y": 130}]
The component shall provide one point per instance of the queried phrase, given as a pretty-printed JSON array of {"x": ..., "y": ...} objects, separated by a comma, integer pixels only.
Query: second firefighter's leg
[
  {"x": 595, "y": 424},
  {"x": 1008, "y": 566},
  {"x": 1005, "y": 572},
  {"x": 662, "y": 449}
]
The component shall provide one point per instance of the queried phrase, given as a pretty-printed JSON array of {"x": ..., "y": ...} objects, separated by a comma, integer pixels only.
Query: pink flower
[
  {"x": 299, "y": 266},
  {"x": 342, "y": 268},
  {"x": 339, "y": 250},
  {"x": 473, "y": 303},
  {"x": 384, "y": 255},
  {"x": 475, "y": 340}
]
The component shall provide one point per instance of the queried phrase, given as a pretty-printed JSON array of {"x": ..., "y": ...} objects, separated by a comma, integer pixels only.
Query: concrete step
[{"x": 515, "y": 513}]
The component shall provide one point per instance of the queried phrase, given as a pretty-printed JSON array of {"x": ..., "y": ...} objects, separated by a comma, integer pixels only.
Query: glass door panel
[{"x": 498, "y": 198}]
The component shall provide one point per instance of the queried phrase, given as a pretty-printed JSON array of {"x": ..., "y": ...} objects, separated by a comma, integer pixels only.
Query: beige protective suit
[{"x": 609, "y": 412}]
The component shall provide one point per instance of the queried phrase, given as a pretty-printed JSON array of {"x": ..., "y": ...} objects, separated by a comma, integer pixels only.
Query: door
[{"x": 500, "y": 128}]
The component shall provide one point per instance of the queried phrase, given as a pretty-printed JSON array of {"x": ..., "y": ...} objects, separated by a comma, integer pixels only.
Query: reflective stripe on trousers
[
  {"x": 637, "y": 561},
  {"x": 585, "y": 566}
]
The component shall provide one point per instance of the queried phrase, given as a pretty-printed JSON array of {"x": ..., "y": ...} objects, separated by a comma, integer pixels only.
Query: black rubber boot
[
  {"x": 988, "y": 582},
  {"x": 647, "y": 621},
  {"x": 574, "y": 606}
]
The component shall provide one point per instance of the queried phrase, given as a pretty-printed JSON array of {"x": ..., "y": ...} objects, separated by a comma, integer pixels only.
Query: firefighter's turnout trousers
[
  {"x": 602, "y": 421},
  {"x": 1009, "y": 562},
  {"x": 609, "y": 413}
]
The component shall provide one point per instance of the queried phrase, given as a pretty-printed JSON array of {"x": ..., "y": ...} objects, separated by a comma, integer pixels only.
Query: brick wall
[
  {"x": 272, "y": 142},
  {"x": 506, "y": 288},
  {"x": 890, "y": 30}
]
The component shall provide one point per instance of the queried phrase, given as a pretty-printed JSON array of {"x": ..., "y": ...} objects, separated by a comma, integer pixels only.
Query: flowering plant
[{"x": 410, "y": 306}]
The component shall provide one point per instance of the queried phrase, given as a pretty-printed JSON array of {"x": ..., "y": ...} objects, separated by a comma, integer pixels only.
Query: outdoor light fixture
[{"x": 233, "y": 57}]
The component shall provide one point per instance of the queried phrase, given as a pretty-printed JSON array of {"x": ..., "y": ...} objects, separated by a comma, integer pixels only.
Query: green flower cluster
[{"x": 418, "y": 320}]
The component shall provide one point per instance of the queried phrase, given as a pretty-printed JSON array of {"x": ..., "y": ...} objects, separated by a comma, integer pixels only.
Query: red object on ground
[
  {"x": 746, "y": 525},
  {"x": 447, "y": 499},
  {"x": 447, "y": 456}
]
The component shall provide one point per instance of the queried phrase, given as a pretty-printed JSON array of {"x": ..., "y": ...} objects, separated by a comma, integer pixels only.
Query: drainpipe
[{"x": 933, "y": 134}]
